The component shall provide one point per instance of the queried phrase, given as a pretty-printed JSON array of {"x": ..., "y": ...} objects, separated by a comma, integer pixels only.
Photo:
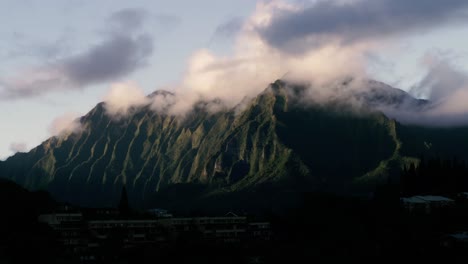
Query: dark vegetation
[
  {"x": 426, "y": 234},
  {"x": 338, "y": 143},
  {"x": 22, "y": 238},
  {"x": 434, "y": 142},
  {"x": 317, "y": 227},
  {"x": 435, "y": 176}
]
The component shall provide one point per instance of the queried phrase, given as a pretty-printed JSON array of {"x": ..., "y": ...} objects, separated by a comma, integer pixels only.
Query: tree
[{"x": 124, "y": 208}]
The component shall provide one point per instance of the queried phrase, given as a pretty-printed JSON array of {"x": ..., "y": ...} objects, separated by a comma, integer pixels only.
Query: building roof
[
  {"x": 460, "y": 236},
  {"x": 413, "y": 199},
  {"x": 231, "y": 214},
  {"x": 432, "y": 198},
  {"x": 426, "y": 199}
]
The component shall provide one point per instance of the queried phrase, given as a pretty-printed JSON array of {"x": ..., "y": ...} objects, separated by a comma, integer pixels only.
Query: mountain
[{"x": 274, "y": 144}]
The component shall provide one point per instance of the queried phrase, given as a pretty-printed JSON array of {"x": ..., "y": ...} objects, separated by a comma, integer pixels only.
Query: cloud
[
  {"x": 165, "y": 20},
  {"x": 335, "y": 40},
  {"x": 26, "y": 46},
  {"x": 122, "y": 97},
  {"x": 320, "y": 44},
  {"x": 226, "y": 81},
  {"x": 229, "y": 29},
  {"x": 116, "y": 57},
  {"x": 18, "y": 147},
  {"x": 122, "y": 51},
  {"x": 127, "y": 20},
  {"x": 441, "y": 80},
  {"x": 161, "y": 101},
  {"x": 132, "y": 20},
  {"x": 446, "y": 87},
  {"x": 299, "y": 29},
  {"x": 254, "y": 64},
  {"x": 66, "y": 124}
]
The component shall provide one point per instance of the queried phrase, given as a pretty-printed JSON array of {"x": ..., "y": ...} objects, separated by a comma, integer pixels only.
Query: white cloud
[
  {"x": 254, "y": 64},
  {"x": 66, "y": 124},
  {"x": 121, "y": 97},
  {"x": 259, "y": 58},
  {"x": 257, "y": 61},
  {"x": 18, "y": 147}
]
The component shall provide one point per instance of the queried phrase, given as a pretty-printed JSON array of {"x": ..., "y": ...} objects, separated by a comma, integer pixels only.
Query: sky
[{"x": 60, "y": 58}]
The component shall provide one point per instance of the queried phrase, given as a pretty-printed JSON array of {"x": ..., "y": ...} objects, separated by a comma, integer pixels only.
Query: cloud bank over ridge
[{"x": 318, "y": 43}]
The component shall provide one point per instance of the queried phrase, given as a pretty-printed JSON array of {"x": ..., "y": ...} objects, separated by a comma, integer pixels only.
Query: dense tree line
[
  {"x": 434, "y": 176},
  {"x": 22, "y": 238}
]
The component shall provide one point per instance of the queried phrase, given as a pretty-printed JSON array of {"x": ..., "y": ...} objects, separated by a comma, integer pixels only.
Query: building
[
  {"x": 160, "y": 213},
  {"x": 454, "y": 241},
  {"x": 68, "y": 225},
  {"x": 260, "y": 230},
  {"x": 128, "y": 231},
  {"x": 84, "y": 233},
  {"x": 228, "y": 228},
  {"x": 100, "y": 213},
  {"x": 426, "y": 204},
  {"x": 463, "y": 196}
]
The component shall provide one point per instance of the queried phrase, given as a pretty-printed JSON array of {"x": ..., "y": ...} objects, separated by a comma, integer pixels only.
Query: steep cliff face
[{"x": 274, "y": 140}]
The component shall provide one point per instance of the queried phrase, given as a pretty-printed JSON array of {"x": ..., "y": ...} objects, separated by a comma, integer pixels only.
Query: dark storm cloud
[
  {"x": 125, "y": 48},
  {"x": 296, "y": 31}
]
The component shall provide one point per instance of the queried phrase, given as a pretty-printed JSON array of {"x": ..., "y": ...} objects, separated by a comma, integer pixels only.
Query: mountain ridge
[{"x": 276, "y": 140}]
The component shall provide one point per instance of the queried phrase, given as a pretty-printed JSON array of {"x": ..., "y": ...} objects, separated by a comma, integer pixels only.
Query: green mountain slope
[{"x": 274, "y": 141}]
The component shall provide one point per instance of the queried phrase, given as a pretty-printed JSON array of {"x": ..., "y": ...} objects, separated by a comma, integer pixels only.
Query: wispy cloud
[
  {"x": 18, "y": 147},
  {"x": 124, "y": 48},
  {"x": 127, "y": 20},
  {"x": 26, "y": 46},
  {"x": 446, "y": 86},
  {"x": 229, "y": 29},
  {"x": 65, "y": 124}
]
